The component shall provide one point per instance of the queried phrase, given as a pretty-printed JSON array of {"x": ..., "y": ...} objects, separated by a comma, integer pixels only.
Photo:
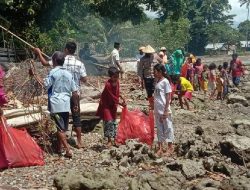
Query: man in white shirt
[
  {"x": 77, "y": 69},
  {"x": 115, "y": 58}
]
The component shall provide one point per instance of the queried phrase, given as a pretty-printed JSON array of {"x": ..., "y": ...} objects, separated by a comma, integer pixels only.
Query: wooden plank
[{"x": 6, "y": 59}]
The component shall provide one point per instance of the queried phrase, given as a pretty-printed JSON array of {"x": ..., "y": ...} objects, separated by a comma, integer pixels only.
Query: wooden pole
[{"x": 22, "y": 40}]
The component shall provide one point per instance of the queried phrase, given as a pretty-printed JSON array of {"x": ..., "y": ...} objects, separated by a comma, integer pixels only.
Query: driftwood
[{"x": 28, "y": 116}]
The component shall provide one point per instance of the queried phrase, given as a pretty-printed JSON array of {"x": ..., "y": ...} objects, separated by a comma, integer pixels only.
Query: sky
[{"x": 240, "y": 12}]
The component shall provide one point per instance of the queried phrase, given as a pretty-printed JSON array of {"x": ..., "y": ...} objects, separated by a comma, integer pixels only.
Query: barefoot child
[
  {"x": 219, "y": 84},
  {"x": 224, "y": 76},
  {"x": 61, "y": 87},
  {"x": 162, "y": 111},
  {"x": 109, "y": 101},
  {"x": 212, "y": 80},
  {"x": 185, "y": 91},
  {"x": 204, "y": 80}
]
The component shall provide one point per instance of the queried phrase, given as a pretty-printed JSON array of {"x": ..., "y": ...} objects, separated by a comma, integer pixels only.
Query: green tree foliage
[
  {"x": 244, "y": 28},
  {"x": 223, "y": 32}
]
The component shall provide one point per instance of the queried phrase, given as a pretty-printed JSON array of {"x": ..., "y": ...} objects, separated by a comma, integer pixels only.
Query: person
[
  {"x": 219, "y": 87},
  {"x": 236, "y": 69},
  {"x": 138, "y": 57},
  {"x": 198, "y": 68},
  {"x": 212, "y": 79},
  {"x": 77, "y": 69},
  {"x": 224, "y": 76},
  {"x": 162, "y": 111},
  {"x": 185, "y": 91},
  {"x": 204, "y": 80},
  {"x": 115, "y": 58},
  {"x": 3, "y": 97},
  {"x": 146, "y": 72},
  {"x": 107, "y": 109},
  {"x": 61, "y": 85},
  {"x": 165, "y": 57},
  {"x": 187, "y": 70},
  {"x": 175, "y": 64}
]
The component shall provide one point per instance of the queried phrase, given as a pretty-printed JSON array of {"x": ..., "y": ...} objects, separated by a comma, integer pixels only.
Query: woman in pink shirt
[{"x": 212, "y": 79}]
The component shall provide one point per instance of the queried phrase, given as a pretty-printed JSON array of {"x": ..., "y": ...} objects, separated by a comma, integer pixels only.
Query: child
[
  {"x": 212, "y": 80},
  {"x": 198, "y": 68},
  {"x": 204, "y": 80},
  {"x": 109, "y": 101},
  {"x": 185, "y": 93},
  {"x": 219, "y": 84},
  {"x": 61, "y": 86},
  {"x": 224, "y": 76},
  {"x": 162, "y": 111}
]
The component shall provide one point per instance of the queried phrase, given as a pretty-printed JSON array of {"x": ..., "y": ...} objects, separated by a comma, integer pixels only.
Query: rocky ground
[{"x": 212, "y": 151}]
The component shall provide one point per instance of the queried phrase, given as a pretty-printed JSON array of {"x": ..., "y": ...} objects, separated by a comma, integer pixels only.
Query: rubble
[{"x": 211, "y": 144}]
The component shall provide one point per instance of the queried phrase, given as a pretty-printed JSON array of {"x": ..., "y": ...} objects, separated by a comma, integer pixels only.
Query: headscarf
[{"x": 176, "y": 62}]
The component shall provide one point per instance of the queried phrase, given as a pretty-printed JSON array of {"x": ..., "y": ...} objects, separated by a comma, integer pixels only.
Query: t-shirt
[
  {"x": 60, "y": 84},
  {"x": 161, "y": 89},
  {"x": 186, "y": 85},
  {"x": 236, "y": 67},
  {"x": 115, "y": 57},
  {"x": 75, "y": 67}
]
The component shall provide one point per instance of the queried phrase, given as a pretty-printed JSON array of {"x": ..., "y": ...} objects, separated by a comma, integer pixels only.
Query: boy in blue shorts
[{"x": 61, "y": 87}]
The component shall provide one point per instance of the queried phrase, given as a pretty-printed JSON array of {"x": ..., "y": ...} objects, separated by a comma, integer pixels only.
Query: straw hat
[
  {"x": 148, "y": 49},
  {"x": 141, "y": 48},
  {"x": 163, "y": 49}
]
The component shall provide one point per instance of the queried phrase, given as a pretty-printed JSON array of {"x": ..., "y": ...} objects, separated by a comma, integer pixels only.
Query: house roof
[{"x": 214, "y": 46}]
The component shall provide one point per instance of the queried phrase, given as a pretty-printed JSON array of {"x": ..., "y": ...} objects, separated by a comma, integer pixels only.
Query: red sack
[
  {"x": 135, "y": 125},
  {"x": 17, "y": 148}
]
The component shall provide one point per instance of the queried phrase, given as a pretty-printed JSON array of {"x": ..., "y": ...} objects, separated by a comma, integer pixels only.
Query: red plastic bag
[
  {"x": 135, "y": 125},
  {"x": 17, "y": 148}
]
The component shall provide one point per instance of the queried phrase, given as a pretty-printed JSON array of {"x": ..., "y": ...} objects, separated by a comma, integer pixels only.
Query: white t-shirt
[
  {"x": 161, "y": 89},
  {"x": 115, "y": 57},
  {"x": 75, "y": 67}
]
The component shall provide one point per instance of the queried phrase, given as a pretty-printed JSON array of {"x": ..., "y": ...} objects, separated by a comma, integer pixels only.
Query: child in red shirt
[{"x": 109, "y": 102}]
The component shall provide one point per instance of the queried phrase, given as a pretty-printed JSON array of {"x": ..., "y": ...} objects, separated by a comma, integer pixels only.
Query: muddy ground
[{"x": 212, "y": 151}]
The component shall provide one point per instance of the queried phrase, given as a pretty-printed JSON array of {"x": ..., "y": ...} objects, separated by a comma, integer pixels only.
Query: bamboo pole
[{"x": 22, "y": 40}]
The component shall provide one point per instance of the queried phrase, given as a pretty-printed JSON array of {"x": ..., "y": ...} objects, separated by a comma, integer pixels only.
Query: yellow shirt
[{"x": 186, "y": 85}]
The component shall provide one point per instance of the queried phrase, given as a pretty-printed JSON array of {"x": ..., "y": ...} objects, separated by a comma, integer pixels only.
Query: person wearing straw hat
[
  {"x": 165, "y": 57},
  {"x": 115, "y": 58},
  {"x": 146, "y": 71}
]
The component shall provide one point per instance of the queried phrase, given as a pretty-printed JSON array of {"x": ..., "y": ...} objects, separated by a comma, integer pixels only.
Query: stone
[
  {"x": 223, "y": 168},
  {"x": 124, "y": 161},
  {"x": 237, "y": 148},
  {"x": 96, "y": 179},
  {"x": 209, "y": 163},
  {"x": 158, "y": 161},
  {"x": 207, "y": 184},
  {"x": 199, "y": 130},
  {"x": 192, "y": 169},
  {"x": 232, "y": 98},
  {"x": 236, "y": 182},
  {"x": 242, "y": 127}
]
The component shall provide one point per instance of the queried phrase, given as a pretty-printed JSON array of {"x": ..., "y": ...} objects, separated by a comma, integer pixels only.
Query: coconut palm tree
[{"x": 247, "y": 3}]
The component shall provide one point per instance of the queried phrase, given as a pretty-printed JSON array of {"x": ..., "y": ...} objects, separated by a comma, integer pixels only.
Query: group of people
[{"x": 161, "y": 77}]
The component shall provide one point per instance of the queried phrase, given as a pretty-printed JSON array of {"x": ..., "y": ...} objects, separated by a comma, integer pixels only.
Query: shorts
[
  {"x": 225, "y": 90},
  {"x": 149, "y": 86},
  {"x": 165, "y": 130},
  {"x": 236, "y": 81},
  {"x": 62, "y": 120},
  {"x": 110, "y": 128},
  {"x": 76, "y": 115},
  {"x": 204, "y": 85},
  {"x": 187, "y": 94}
]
